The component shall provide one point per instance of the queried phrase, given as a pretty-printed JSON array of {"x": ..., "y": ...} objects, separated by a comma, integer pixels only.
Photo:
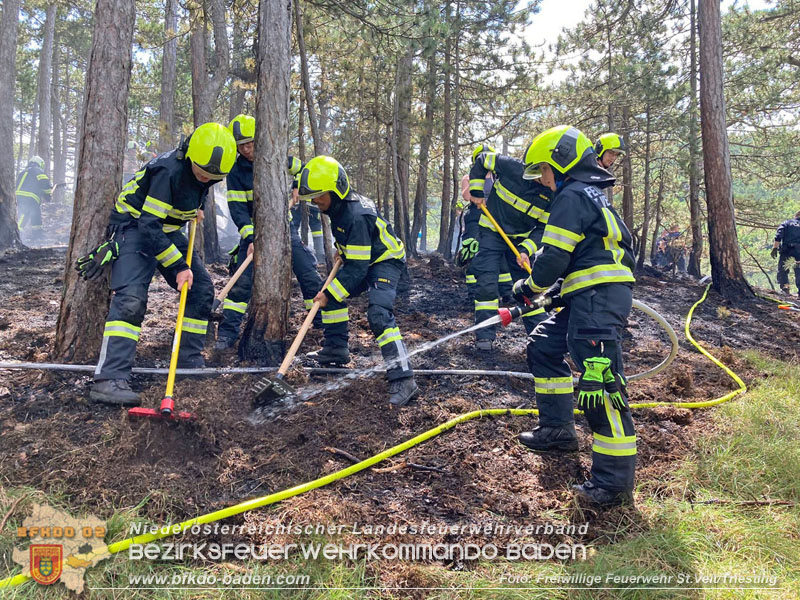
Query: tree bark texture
[
  {"x": 627, "y": 172},
  {"x": 208, "y": 77},
  {"x": 726, "y": 266},
  {"x": 401, "y": 139},
  {"x": 9, "y": 234},
  {"x": 269, "y": 308},
  {"x": 642, "y": 249},
  {"x": 313, "y": 121},
  {"x": 444, "y": 221},
  {"x": 421, "y": 193},
  {"x": 696, "y": 253},
  {"x": 84, "y": 305},
  {"x": 43, "y": 87},
  {"x": 59, "y": 160},
  {"x": 166, "y": 111}
]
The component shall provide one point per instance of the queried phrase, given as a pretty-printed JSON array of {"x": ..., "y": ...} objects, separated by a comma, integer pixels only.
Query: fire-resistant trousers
[
  {"x": 493, "y": 256},
  {"x": 131, "y": 274},
  {"x": 381, "y": 285},
  {"x": 234, "y": 306},
  {"x": 589, "y": 326}
]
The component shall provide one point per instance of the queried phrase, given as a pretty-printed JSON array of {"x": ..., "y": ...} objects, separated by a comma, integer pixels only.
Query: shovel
[
  {"x": 273, "y": 388},
  {"x": 167, "y": 410},
  {"x": 224, "y": 291}
]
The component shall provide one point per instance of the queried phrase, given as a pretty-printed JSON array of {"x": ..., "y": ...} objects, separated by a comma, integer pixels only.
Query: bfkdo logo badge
[{"x": 47, "y": 561}]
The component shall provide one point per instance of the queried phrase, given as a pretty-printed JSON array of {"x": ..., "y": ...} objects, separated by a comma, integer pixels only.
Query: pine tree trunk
[
  {"x": 84, "y": 305},
  {"x": 9, "y": 234},
  {"x": 455, "y": 187},
  {"x": 55, "y": 109},
  {"x": 43, "y": 87},
  {"x": 642, "y": 249},
  {"x": 444, "y": 247},
  {"x": 696, "y": 254},
  {"x": 627, "y": 172},
  {"x": 421, "y": 194},
  {"x": 726, "y": 266},
  {"x": 269, "y": 308},
  {"x": 313, "y": 122},
  {"x": 205, "y": 90},
  {"x": 166, "y": 111}
]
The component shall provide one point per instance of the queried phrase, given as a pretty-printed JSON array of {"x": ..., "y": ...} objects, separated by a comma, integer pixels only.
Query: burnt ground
[{"x": 54, "y": 440}]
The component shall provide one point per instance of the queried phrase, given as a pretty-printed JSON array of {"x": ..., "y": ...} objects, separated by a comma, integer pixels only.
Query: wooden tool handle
[
  {"x": 306, "y": 325},
  {"x": 224, "y": 292}
]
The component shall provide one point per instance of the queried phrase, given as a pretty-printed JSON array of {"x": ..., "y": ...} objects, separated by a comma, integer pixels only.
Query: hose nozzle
[{"x": 509, "y": 314}]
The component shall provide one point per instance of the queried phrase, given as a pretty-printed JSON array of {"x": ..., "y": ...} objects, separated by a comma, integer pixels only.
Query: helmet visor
[
  {"x": 532, "y": 171},
  {"x": 216, "y": 176}
]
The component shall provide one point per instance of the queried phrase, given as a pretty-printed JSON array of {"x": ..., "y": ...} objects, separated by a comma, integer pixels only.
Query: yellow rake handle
[
  {"x": 176, "y": 342},
  {"x": 526, "y": 265}
]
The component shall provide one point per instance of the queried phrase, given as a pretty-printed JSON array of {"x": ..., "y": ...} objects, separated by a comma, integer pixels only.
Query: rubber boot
[
  {"x": 601, "y": 496},
  {"x": 401, "y": 391},
  {"x": 114, "y": 391},
  {"x": 543, "y": 439},
  {"x": 327, "y": 355}
]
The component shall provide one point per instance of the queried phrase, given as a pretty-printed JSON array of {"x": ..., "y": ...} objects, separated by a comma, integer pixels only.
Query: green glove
[
  {"x": 591, "y": 386},
  {"x": 469, "y": 248},
  {"x": 91, "y": 266},
  {"x": 233, "y": 261},
  {"x": 614, "y": 388}
]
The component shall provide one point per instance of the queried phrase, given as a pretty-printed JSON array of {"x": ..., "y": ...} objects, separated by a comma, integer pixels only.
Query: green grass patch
[{"x": 752, "y": 453}]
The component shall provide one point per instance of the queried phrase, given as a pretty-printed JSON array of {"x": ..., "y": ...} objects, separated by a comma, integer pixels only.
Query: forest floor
[{"x": 96, "y": 458}]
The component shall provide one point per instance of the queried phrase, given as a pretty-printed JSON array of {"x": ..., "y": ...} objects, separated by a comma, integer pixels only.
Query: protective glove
[
  {"x": 774, "y": 253},
  {"x": 91, "y": 266},
  {"x": 469, "y": 248},
  {"x": 591, "y": 385},
  {"x": 233, "y": 261},
  {"x": 522, "y": 292}
]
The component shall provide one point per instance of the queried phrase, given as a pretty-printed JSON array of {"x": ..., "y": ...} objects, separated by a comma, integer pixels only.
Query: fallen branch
[
  {"x": 10, "y": 512},
  {"x": 746, "y": 502},
  {"x": 342, "y": 454},
  {"x": 412, "y": 466},
  {"x": 758, "y": 264}
]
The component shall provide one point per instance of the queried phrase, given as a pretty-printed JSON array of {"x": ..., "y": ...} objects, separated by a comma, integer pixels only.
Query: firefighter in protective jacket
[
  {"x": 373, "y": 262},
  {"x": 787, "y": 244},
  {"x": 520, "y": 208},
  {"x": 587, "y": 250},
  {"x": 240, "y": 204},
  {"x": 145, "y": 234},
  {"x": 33, "y": 186}
]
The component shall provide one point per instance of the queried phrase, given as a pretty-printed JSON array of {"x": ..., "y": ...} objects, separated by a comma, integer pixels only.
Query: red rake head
[{"x": 161, "y": 415}]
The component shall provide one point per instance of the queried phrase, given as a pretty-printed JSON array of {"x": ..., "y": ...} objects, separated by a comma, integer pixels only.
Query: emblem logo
[{"x": 46, "y": 562}]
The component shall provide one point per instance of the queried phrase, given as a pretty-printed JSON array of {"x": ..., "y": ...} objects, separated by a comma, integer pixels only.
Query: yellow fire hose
[{"x": 169, "y": 530}]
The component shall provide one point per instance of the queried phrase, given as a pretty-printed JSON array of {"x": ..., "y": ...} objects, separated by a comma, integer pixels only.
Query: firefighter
[
  {"x": 240, "y": 204},
  {"x": 469, "y": 244},
  {"x": 609, "y": 147},
  {"x": 314, "y": 219},
  {"x": 520, "y": 208},
  {"x": 373, "y": 261},
  {"x": 587, "y": 248},
  {"x": 787, "y": 244},
  {"x": 33, "y": 186},
  {"x": 144, "y": 234}
]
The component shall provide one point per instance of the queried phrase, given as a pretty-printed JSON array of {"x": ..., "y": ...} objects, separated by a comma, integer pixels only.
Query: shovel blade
[{"x": 271, "y": 388}]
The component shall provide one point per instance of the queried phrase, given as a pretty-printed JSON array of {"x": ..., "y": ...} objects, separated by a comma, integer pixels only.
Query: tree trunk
[
  {"x": 43, "y": 87},
  {"x": 83, "y": 305},
  {"x": 301, "y": 148},
  {"x": 455, "y": 188},
  {"x": 269, "y": 308},
  {"x": 444, "y": 247},
  {"x": 402, "y": 144},
  {"x": 657, "y": 223},
  {"x": 646, "y": 217},
  {"x": 726, "y": 266},
  {"x": 320, "y": 147},
  {"x": 55, "y": 110},
  {"x": 627, "y": 172},
  {"x": 693, "y": 268},
  {"x": 206, "y": 85},
  {"x": 9, "y": 234},
  {"x": 166, "y": 111},
  {"x": 421, "y": 194}
]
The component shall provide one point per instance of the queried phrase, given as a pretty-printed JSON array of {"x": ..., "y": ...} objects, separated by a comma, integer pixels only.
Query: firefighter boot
[
  {"x": 114, "y": 391},
  {"x": 331, "y": 355},
  {"x": 401, "y": 391},
  {"x": 601, "y": 496},
  {"x": 545, "y": 438}
]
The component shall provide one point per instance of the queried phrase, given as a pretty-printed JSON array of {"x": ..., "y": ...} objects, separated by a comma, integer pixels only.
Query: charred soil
[{"x": 55, "y": 440}]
